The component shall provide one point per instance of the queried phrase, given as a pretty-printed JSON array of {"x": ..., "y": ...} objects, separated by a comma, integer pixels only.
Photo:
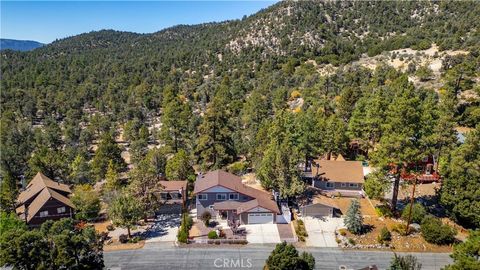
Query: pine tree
[
  {"x": 179, "y": 167},
  {"x": 353, "y": 218},
  {"x": 107, "y": 151},
  {"x": 112, "y": 180},
  {"x": 176, "y": 117},
  {"x": 402, "y": 132},
  {"x": 215, "y": 147},
  {"x": 80, "y": 170}
]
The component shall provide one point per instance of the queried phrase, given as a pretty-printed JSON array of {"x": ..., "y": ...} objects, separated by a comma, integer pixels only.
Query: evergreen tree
[
  {"x": 377, "y": 184},
  {"x": 402, "y": 132},
  {"x": 285, "y": 256},
  {"x": 466, "y": 254},
  {"x": 353, "y": 218},
  {"x": 86, "y": 201},
  {"x": 144, "y": 187},
  {"x": 107, "y": 150},
  {"x": 125, "y": 211},
  {"x": 80, "y": 171},
  {"x": 215, "y": 147},
  {"x": 407, "y": 262},
  {"x": 175, "y": 119},
  {"x": 461, "y": 182},
  {"x": 112, "y": 179},
  {"x": 8, "y": 192},
  {"x": 179, "y": 167}
]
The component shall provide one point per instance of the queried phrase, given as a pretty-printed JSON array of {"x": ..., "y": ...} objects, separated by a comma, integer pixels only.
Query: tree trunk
[
  {"x": 128, "y": 232},
  {"x": 396, "y": 185}
]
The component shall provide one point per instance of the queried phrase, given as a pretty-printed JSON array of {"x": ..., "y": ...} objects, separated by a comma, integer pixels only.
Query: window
[
  {"x": 330, "y": 185},
  {"x": 61, "y": 210},
  {"x": 221, "y": 197},
  {"x": 233, "y": 196},
  {"x": 353, "y": 185},
  {"x": 164, "y": 196},
  {"x": 43, "y": 213},
  {"x": 344, "y": 184},
  {"x": 202, "y": 197}
]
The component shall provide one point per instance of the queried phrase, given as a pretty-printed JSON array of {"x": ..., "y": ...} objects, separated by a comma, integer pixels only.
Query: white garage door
[{"x": 260, "y": 218}]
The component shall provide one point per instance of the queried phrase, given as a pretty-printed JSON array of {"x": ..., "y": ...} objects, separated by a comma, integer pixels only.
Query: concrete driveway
[
  {"x": 164, "y": 229},
  {"x": 262, "y": 233},
  {"x": 321, "y": 232}
]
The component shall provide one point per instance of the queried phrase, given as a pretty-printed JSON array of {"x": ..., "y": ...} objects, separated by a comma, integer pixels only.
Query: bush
[
  {"x": 123, "y": 238},
  {"x": 383, "y": 211},
  {"x": 343, "y": 232},
  {"x": 400, "y": 228},
  {"x": 351, "y": 241},
  {"x": 206, "y": 216},
  {"x": 384, "y": 236},
  {"x": 300, "y": 230},
  {"x": 418, "y": 213},
  {"x": 435, "y": 232},
  {"x": 212, "y": 235},
  {"x": 135, "y": 239},
  {"x": 238, "y": 168},
  {"x": 182, "y": 236}
]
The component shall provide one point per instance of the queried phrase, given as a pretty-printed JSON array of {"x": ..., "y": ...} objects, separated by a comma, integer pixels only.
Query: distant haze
[{"x": 19, "y": 45}]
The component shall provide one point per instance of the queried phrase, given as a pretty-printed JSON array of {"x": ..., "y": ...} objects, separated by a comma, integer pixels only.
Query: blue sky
[{"x": 47, "y": 21}]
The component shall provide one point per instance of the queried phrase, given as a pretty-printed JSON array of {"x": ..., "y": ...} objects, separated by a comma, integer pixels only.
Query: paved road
[{"x": 166, "y": 256}]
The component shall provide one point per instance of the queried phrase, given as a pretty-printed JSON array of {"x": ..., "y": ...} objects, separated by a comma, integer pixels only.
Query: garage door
[{"x": 260, "y": 218}]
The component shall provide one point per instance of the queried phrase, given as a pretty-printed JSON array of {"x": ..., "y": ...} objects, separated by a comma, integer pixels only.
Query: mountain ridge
[{"x": 19, "y": 45}]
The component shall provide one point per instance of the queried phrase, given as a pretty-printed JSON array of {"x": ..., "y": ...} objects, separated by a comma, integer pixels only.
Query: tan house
[
  {"x": 340, "y": 177},
  {"x": 44, "y": 199}
]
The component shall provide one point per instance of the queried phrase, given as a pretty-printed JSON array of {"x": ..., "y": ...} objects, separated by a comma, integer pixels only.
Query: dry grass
[{"x": 119, "y": 246}]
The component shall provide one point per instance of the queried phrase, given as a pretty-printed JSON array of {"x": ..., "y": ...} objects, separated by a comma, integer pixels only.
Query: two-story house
[
  {"x": 44, "y": 199},
  {"x": 226, "y": 197}
]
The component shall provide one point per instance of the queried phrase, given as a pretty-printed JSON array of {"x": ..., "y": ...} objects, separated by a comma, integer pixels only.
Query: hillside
[
  {"x": 19, "y": 45},
  {"x": 168, "y": 89}
]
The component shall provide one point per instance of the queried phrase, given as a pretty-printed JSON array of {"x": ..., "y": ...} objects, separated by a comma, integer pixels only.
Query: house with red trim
[{"x": 225, "y": 196}]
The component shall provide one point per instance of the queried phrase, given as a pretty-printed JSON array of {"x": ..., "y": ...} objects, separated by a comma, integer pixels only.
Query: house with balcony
[{"x": 225, "y": 196}]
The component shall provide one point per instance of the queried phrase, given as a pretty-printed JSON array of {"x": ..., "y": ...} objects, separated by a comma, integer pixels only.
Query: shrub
[
  {"x": 384, "y": 236},
  {"x": 418, "y": 213},
  {"x": 351, "y": 241},
  {"x": 123, "y": 238},
  {"x": 286, "y": 256},
  {"x": 182, "y": 236},
  {"x": 135, "y": 239},
  {"x": 435, "y": 232},
  {"x": 212, "y": 235},
  {"x": 343, "y": 232},
  {"x": 400, "y": 228},
  {"x": 238, "y": 168},
  {"x": 383, "y": 211},
  {"x": 295, "y": 94},
  {"x": 300, "y": 230},
  {"x": 110, "y": 227},
  {"x": 206, "y": 216}
]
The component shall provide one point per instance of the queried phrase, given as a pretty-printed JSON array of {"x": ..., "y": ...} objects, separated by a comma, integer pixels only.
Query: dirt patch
[
  {"x": 365, "y": 206},
  {"x": 411, "y": 243},
  {"x": 119, "y": 246}
]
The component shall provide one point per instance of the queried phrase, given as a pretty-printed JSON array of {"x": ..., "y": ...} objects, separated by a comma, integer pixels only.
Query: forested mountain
[
  {"x": 263, "y": 90},
  {"x": 19, "y": 45}
]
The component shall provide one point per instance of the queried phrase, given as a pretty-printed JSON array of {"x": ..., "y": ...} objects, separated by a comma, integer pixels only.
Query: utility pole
[{"x": 412, "y": 200}]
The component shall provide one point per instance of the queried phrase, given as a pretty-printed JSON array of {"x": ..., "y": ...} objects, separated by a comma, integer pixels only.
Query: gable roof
[
  {"x": 173, "y": 185},
  {"x": 339, "y": 171},
  {"x": 233, "y": 182},
  {"x": 37, "y": 184},
  {"x": 41, "y": 189}
]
